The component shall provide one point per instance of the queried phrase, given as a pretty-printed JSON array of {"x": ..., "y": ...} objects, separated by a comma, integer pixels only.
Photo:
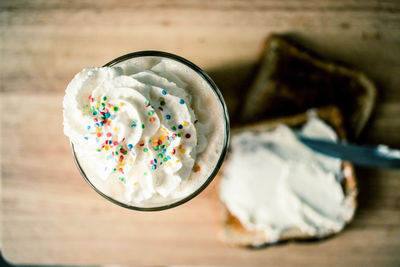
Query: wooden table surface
[{"x": 51, "y": 216}]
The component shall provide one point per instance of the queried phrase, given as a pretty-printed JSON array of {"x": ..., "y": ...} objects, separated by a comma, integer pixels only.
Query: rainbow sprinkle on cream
[{"x": 103, "y": 113}]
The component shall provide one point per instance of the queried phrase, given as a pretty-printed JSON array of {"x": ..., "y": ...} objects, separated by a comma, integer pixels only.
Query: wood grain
[{"x": 50, "y": 216}]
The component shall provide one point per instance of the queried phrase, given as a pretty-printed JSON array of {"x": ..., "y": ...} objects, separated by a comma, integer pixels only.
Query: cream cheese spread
[{"x": 273, "y": 183}]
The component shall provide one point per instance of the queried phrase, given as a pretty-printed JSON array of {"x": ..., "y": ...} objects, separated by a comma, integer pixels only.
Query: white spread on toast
[{"x": 273, "y": 183}]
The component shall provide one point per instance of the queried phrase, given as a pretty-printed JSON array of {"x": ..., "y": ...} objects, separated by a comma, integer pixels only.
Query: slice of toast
[
  {"x": 290, "y": 79},
  {"x": 234, "y": 233}
]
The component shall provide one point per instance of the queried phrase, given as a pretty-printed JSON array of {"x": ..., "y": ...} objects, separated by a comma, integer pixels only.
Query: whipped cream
[
  {"x": 274, "y": 183},
  {"x": 138, "y": 133}
]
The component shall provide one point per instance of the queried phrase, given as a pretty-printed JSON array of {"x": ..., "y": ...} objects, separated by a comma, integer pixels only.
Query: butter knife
[{"x": 380, "y": 156}]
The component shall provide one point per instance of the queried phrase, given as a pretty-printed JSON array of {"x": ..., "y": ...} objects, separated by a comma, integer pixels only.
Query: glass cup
[{"x": 226, "y": 135}]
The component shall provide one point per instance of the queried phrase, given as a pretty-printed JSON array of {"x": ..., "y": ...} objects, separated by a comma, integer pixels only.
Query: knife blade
[{"x": 380, "y": 156}]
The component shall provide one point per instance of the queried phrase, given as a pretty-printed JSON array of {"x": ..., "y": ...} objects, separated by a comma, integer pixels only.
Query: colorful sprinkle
[
  {"x": 196, "y": 168},
  {"x": 104, "y": 114}
]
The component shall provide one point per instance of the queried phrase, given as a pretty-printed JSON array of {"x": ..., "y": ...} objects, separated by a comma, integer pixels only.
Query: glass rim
[{"x": 214, "y": 87}]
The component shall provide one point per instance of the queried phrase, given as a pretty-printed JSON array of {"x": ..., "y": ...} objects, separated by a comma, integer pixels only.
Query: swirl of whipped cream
[{"x": 138, "y": 129}]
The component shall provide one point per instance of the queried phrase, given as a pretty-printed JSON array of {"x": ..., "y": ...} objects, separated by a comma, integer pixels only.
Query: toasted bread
[
  {"x": 234, "y": 233},
  {"x": 290, "y": 79}
]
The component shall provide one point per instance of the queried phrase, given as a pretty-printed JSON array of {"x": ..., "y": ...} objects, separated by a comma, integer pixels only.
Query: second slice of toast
[{"x": 291, "y": 79}]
